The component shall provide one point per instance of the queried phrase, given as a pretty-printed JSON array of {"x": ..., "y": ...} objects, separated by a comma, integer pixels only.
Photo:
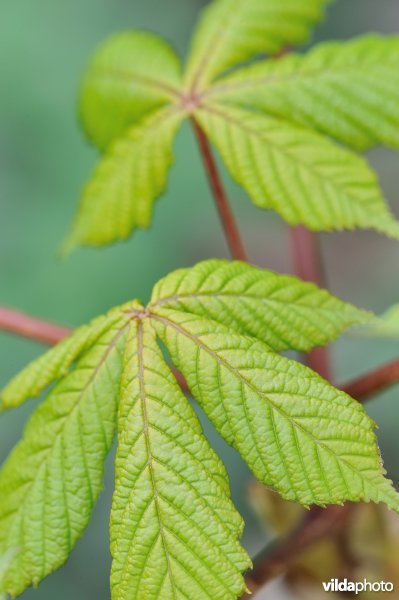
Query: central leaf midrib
[
  {"x": 106, "y": 72},
  {"x": 214, "y": 41},
  {"x": 279, "y": 79},
  {"x": 243, "y": 296},
  {"x": 140, "y": 358}
]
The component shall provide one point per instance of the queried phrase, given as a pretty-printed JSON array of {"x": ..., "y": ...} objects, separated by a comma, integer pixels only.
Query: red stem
[
  {"x": 26, "y": 326},
  {"x": 229, "y": 225},
  {"x": 308, "y": 265},
  {"x": 318, "y": 524},
  {"x": 374, "y": 382}
]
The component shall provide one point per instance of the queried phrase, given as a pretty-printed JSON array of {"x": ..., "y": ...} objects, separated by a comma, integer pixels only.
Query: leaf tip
[{"x": 66, "y": 248}]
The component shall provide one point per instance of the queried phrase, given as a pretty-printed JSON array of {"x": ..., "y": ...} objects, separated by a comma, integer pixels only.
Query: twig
[
  {"x": 374, "y": 382},
  {"x": 229, "y": 224},
  {"x": 308, "y": 265},
  {"x": 275, "y": 559},
  {"x": 30, "y": 327}
]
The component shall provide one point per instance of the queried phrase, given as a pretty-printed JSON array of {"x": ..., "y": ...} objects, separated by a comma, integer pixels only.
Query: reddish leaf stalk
[
  {"x": 374, "y": 382},
  {"x": 30, "y": 327},
  {"x": 307, "y": 259},
  {"x": 227, "y": 219},
  {"x": 274, "y": 561}
]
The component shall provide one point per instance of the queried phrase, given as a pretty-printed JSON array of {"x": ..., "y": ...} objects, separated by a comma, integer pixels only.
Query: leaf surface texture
[
  {"x": 233, "y": 31},
  {"x": 281, "y": 310},
  {"x": 50, "y": 482},
  {"x": 311, "y": 442},
  {"x": 132, "y": 174},
  {"x": 55, "y": 363},
  {"x": 347, "y": 90},
  {"x": 131, "y": 75},
  {"x": 174, "y": 528},
  {"x": 302, "y": 175}
]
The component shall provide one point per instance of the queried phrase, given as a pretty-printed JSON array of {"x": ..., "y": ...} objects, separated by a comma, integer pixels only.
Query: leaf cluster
[
  {"x": 287, "y": 128},
  {"x": 173, "y": 527}
]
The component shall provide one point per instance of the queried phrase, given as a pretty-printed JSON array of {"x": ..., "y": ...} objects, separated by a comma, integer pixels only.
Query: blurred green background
[{"x": 44, "y": 160}]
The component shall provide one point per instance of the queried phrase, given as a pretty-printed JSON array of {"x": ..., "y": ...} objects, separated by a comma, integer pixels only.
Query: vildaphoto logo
[{"x": 335, "y": 585}]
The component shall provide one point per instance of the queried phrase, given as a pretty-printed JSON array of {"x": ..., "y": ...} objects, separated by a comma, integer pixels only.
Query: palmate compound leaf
[
  {"x": 301, "y": 174},
  {"x": 174, "y": 528},
  {"x": 347, "y": 90},
  {"x": 51, "y": 480},
  {"x": 233, "y": 31},
  {"x": 298, "y": 434},
  {"x": 131, "y": 175},
  {"x": 281, "y": 310},
  {"x": 132, "y": 74}
]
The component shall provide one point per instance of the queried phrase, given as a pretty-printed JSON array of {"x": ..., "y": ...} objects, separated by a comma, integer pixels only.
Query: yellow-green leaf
[
  {"x": 130, "y": 177},
  {"x": 347, "y": 90},
  {"x": 50, "y": 482},
  {"x": 233, "y": 31},
  {"x": 132, "y": 74},
  {"x": 311, "y": 442},
  {"x": 174, "y": 528},
  {"x": 302, "y": 175},
  {"x": 281, "y": 310}
]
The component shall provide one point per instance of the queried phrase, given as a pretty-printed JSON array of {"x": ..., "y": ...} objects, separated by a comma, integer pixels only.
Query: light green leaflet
[
  {"x": 131, "y": 75},
  {"x": 303, "y": 176},
  {"x": 347, "y": 90},
  {"x": 280, "y": 310},
  {"x": 56, "y": 363},
  {"x": 232, "y": 31},
  {"x": 135, "y": 166},
  {"x": 276, "y": 122},
  {"x": 312, "y": 443},
  {"x": 50, "y": 482},
  {"x": 174, "y": 530},
  {"x": 384, "y": 326}
]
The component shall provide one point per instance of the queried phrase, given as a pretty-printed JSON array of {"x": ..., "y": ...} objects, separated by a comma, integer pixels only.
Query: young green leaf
[
  {"x": 132, "y": 74},
  {"x": 268, "y": 120},
  {"x": 233, "y": 31},
  {"x": 131, "y": 176},
  {"x": 347, "y": 90},
  {"x": 55, "y": 363},
  {"x": 302, "y": 175},
  {"x": 173, "y": 527},
  {"x": 49, "y": 484},
  {"x": 311, "y": 442},
  {"x": 281, "y": 310}
]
